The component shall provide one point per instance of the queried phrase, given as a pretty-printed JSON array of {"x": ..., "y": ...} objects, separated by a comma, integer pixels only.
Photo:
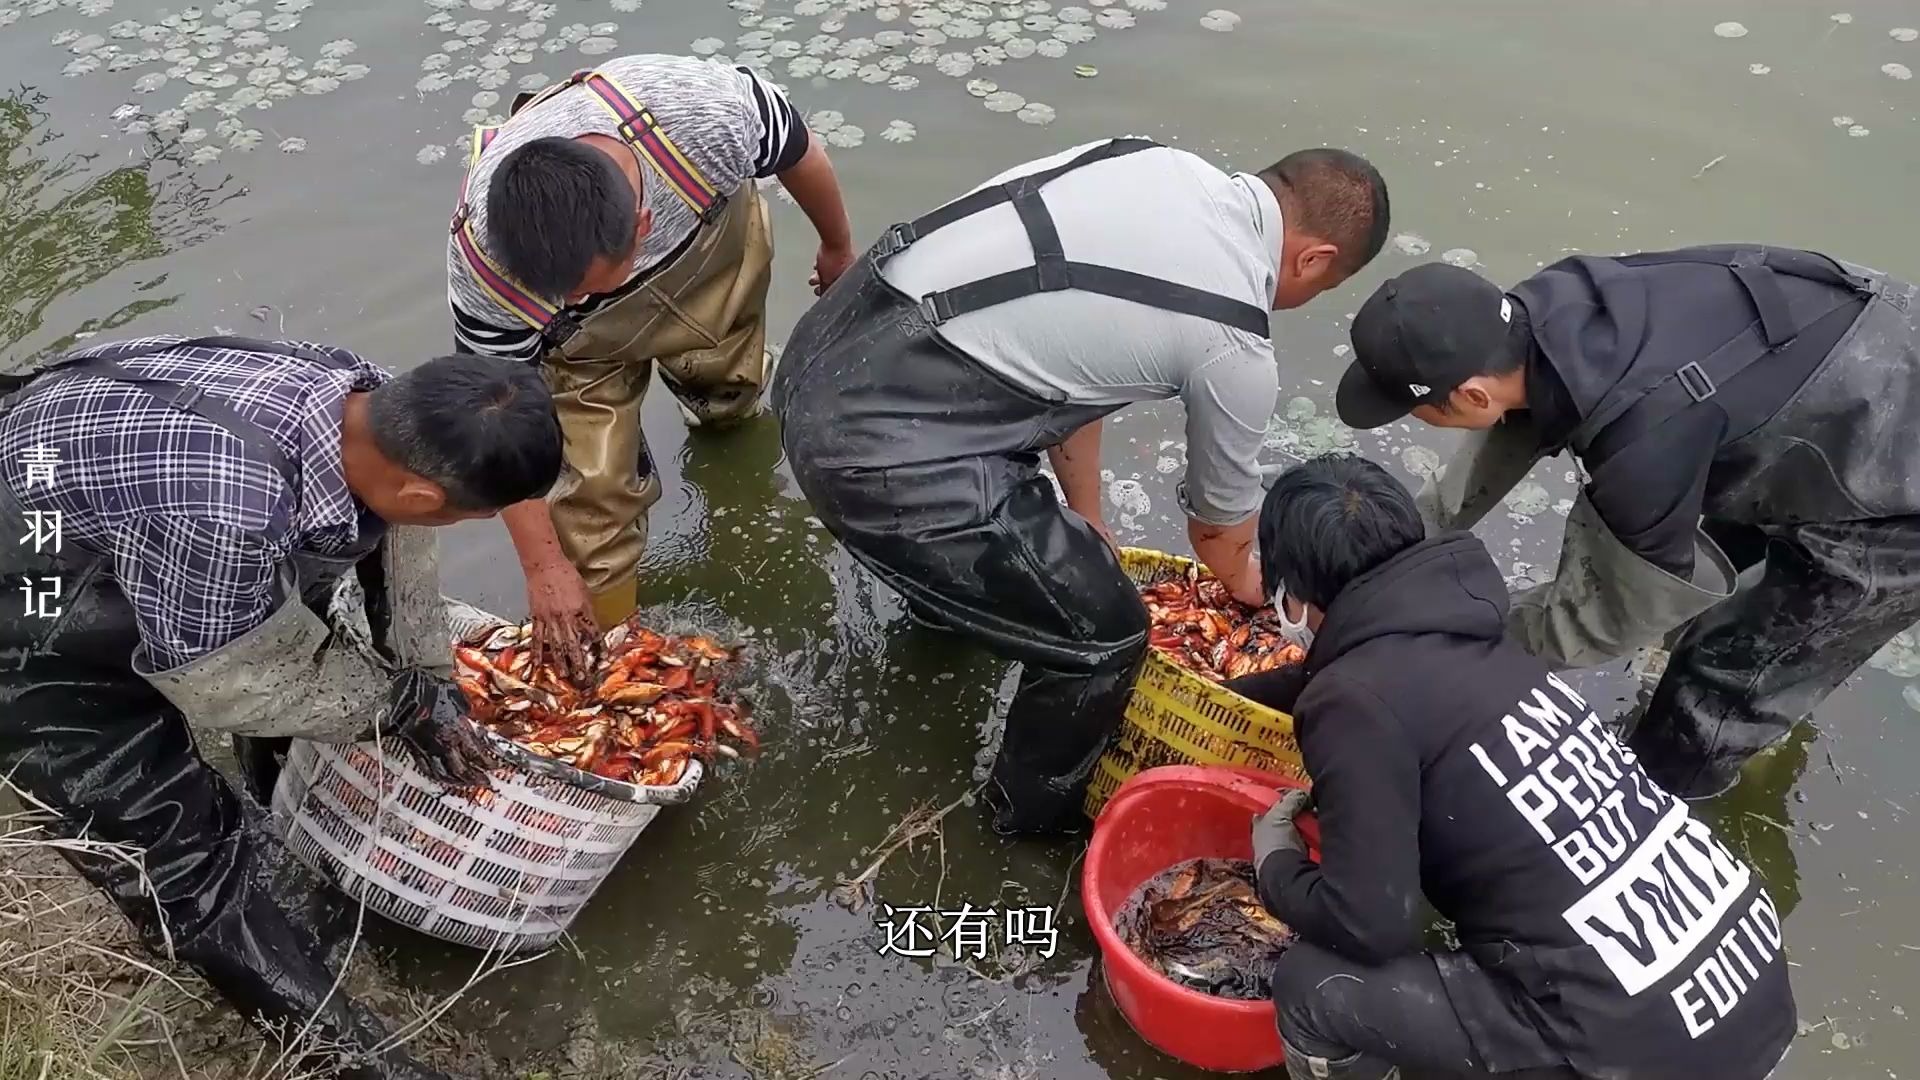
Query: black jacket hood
[{"x": 1446, "y": 584}]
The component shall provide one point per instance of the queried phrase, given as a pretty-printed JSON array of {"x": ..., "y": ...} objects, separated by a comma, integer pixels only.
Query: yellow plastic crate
[{"x": 1175, "y": 717}]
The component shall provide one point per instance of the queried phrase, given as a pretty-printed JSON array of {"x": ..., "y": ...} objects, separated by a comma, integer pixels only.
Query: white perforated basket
[{"x": 508, "y": 870}]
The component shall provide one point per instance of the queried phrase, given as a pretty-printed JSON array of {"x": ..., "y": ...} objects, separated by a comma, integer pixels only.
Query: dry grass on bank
[{"x": 80, "y": 999}]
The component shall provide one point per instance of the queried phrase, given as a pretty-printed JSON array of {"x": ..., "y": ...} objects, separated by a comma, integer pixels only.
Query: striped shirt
[
  {"x": 194, "y": 525},
  {"x": 732, "y": 124}
]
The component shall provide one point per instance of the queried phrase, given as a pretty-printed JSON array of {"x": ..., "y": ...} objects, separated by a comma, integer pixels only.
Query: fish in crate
[{"x": 1198, "y": 624}]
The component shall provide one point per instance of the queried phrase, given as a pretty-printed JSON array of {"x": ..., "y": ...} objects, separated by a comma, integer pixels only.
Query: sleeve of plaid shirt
[{"x": 194, "y": 585}]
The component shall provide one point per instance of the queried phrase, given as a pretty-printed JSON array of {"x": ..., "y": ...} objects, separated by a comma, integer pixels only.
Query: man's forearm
[
  {"x": 1076, "y": 464},
  {"x": 530, "y": 524},
  {"x": 1229, "y": 551},
  {"x": 812, "y": 183}
]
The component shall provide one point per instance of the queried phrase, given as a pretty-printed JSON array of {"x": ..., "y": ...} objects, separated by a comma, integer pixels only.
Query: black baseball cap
[{"x": 1417, "y": 338}]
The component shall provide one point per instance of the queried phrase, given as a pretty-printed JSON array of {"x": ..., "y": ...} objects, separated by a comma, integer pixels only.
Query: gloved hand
[
  {"x": 1275, "y": 831},
  {"x": 429, "y": 715}
]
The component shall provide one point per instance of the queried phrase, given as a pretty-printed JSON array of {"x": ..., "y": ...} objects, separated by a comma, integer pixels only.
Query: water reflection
[{"x": 65, "y": 226}]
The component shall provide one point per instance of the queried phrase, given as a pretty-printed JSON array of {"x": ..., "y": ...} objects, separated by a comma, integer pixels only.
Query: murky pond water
[{"x": 269, "y": 167}]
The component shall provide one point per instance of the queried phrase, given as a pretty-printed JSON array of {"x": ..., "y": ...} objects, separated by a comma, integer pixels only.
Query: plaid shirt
[{"x": 195, "y": 527}]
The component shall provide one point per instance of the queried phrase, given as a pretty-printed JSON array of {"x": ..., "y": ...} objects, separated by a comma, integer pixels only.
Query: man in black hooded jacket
[{"x": 1603, "y": 930}]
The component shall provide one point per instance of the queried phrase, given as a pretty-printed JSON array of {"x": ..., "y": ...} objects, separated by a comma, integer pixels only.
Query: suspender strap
[
  {"x": 189, "y": 397},
  {"x": 639, "y": 129},
  {"x": 1052, "y": 271},
  {"x": 899, "y": 237},
  {"x": 1775, "y": 326},
  {"x": 1776, "y": 322}
]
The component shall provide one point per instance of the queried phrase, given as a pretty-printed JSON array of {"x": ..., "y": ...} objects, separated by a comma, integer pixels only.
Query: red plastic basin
[{"x": 1157, "y": 819}]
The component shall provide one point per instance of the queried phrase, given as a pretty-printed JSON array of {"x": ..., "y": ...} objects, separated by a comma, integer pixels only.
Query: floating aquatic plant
[
  {"x": 1036, "y": 112},
  {"x": 846, "y": 136},
  {"x": 1220, "y": 20},
  {"x": 1004, "y": 101},
  {"x": 1730, "y": 30},
  {"x": 431, "y": 154},
  {"x": 899, "y": 131}
]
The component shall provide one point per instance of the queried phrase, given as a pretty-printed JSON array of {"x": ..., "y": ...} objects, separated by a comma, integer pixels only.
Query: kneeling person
[{"x": 1604, "y": 930}]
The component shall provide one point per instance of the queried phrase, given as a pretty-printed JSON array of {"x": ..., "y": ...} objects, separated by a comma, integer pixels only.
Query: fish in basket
[
  {"x": 653, "y": 703},
  {"x": 1198, "y": 624}
]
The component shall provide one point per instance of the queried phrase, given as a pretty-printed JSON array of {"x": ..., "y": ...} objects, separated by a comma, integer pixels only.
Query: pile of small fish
[
  {"x": 1198, "y": 624},
  {"x": 654, "y": 702},
  {"x": 1202, "y": 925}
]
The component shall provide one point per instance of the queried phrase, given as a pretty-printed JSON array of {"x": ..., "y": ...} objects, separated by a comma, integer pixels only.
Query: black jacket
[{"x": 1450, "y": 764}]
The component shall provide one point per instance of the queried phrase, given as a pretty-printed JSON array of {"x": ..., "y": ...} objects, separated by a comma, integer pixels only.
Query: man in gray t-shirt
[{"x": 915, "y": 399}]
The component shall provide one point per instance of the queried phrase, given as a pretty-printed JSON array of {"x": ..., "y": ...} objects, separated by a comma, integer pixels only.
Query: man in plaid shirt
[{"x": 180, "y": 514}]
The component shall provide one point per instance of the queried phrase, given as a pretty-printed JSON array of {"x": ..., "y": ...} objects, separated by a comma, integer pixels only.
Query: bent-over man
[
  {"x": 917, "y": 398},
  {"x": 614, "y": 221},
  {"x": 177, "y": 515},
  {"x": 1732, "y": 408}
]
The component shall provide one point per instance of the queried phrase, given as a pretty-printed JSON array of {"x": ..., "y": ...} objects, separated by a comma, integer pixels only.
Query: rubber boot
[
  {"x": 1058, "y": 726},
  {"x": 611, "y": 608},
  {"x": 1302, "y": 1066}
]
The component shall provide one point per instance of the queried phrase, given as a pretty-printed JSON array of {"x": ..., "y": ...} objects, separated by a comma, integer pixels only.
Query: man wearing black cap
[{"x": 1747, "y": 401}]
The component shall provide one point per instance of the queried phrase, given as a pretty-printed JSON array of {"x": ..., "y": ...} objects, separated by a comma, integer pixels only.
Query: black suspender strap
[
  {"x": 1619, "y": 421},
  {"x": 1052, "y": 271},
  {"x": 191, "y": 398},
  {"x": 899, "y": 237},
  {"x": 1776, "y": 322}
]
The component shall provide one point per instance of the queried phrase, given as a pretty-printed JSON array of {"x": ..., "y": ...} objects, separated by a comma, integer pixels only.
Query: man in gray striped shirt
[{"x": 614, "y": 221}]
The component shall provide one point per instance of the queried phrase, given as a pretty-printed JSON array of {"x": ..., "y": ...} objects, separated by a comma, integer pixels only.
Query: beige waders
[{"x": 701, "y": 316}]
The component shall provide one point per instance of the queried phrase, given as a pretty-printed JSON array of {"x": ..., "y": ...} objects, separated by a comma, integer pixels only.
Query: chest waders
[
  {"x": 925, "y": 465},
  {"x": 1827, "y": 480},
  {"x": 113, "y": 756},
  {"x": 700, "y": 314}
]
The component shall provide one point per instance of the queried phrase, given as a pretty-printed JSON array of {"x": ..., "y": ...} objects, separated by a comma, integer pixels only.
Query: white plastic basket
[{"x": 509, "y": 871}]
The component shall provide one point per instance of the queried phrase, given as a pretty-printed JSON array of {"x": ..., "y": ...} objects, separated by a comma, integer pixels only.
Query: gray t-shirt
[
  {"x": 1161, "y": 212},
  {"x": 732, "y": 124}
]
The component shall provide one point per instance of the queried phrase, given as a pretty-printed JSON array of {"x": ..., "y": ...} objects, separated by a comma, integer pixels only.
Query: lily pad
[
  {"x": 1035, "y": 112},
  {"x": 293, "y": 146},
  {"x": 982, "y": 87},
  {"x": 1412, "y": 244},
  {"x": 707, "y": 46},
  {"x": 1004, "y": 101},
  {"x": 598, "y": 46},
  {"x": 1086, "y": 71},
  {"x": 433, "y": 82},
  {"x": 1220, "y": 20},
  {"x": 431, "y": 154},
  {"x": 899, "y": 131},
  {"x": 1462, "y": 257},
  {"x": 846, "y": 136},
  {"x": 1896, "y": 71},
  {"x": 903, "y": 82},
  {"x": 1730, "y": 30},
  {"x": 1904, "y": 33}
]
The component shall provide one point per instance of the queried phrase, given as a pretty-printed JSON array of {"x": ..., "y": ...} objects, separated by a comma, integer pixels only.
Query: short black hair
[
  {"x": 482, "y": 428},
  {"x": 553, "y": 206},
  {"x": 1337, "y": 196},
  {"x": 1329, "y": 520}
]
